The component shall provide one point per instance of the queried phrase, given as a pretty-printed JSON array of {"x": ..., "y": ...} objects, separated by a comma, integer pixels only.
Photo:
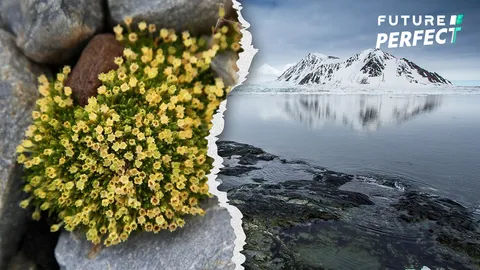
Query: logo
[{"x": 450, "y": 26}]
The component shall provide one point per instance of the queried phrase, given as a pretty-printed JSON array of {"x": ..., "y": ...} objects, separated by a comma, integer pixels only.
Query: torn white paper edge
[{"x": 243, "y": 64}]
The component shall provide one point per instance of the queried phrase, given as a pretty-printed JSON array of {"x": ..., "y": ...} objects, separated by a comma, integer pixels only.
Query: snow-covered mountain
[
  {"x": 266, "y": 69},
  {"x": 264, "y": 73},
  {"x": 370, "y": 67},
  {"x": 287, "y": 66}
]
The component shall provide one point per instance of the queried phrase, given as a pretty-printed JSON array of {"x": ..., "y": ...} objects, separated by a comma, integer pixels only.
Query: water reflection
[{"x": 364, "y": 112}]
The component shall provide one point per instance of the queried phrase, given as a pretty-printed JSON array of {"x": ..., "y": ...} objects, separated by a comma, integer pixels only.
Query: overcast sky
[{"x": 285, "y": 31}]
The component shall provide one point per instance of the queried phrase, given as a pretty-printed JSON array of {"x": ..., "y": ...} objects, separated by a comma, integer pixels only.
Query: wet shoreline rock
[
  {"x": 308, "y": 220},
  {"x": 454, "y": 225}
]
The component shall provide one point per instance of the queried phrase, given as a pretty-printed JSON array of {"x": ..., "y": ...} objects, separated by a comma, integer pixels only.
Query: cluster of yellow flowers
[{"x": 135, "y": 157}]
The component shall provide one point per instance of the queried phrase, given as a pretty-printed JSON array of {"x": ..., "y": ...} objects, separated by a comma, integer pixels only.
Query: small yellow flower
[
  {"x": 172, "y": 37},
  {"x": 152, "y": 28},
  {"x": 122, "y": 76},
  {"x": 133, "y": 67},
  {"x": 27, "y": 143},
  {"x": 176, "y": 63},
  {"x": 127, "y": 52},
  {"x": 132, "y": 37},
  {"x": 133, "y": 82},
  {"x": 24, "y": 204},
  {"x": 66, "y": 70},
  {"x": 142, "y": 26},
  {"x": 163, "y": 33},
  {"x": 118, "y": 61},
  {"x": 36, "y": 114},
  {"x": 42, "y": 79},
  {"x": 60, "y": 77},
  {"x": 221, "y": 11},
  {"x": 152, "y": 73},
  {"x": 128, "y": 20},
  {"x": 102, "y": 90},
  {"x": 118, "y": 29},
  {"x": 92, "y": 117},
  {"x": 128, "y": 156},
  {"x": 125, "y": 87},
  {"x": 99, "y": 129},
  {"x": 235, "y": 46},
  {"x": 67, "y": 90},
  {"x": 102, "y": 77},
  {"x": 36, "y": 215}
]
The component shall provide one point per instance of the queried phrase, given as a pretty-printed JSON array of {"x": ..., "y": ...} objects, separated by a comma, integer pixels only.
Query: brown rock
[{"x": 96, "y": 58}]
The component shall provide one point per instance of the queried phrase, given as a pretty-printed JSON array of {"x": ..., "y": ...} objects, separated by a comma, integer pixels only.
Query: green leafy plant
[{"x": 135, "y": 157}]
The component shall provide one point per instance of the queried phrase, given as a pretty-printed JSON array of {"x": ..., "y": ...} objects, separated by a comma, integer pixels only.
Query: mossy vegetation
[{"x": 135, "y": 157}]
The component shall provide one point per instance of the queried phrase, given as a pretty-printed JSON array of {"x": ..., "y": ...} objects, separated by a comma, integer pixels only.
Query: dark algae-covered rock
[
  {"x": 300, "y": 216},
  {"x": 454, "y": 226}
]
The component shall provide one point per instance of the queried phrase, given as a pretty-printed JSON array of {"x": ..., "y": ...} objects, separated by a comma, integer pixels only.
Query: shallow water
[{"x": 426, "y": 140}]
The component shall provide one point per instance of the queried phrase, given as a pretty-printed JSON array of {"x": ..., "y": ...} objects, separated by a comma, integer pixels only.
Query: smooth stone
[
  {"x": 225, "y": 66},
  {"x": 204, "y": 243},
  {"x": 96, "y": 58},
  {"x": 37, "y": 246},
  {"x": 18, "y": 93},
  {"x": 21, "y": 262},
  {"x": 196, "y": 16},
  {"x": 50, "y": 31}
]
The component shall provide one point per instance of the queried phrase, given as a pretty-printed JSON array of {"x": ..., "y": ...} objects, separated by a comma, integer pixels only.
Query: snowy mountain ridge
[{"x": 369, "y": 67}]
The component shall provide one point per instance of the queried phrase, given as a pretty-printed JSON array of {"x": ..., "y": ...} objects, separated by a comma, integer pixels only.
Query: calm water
[{"x": 429, "y": 141}]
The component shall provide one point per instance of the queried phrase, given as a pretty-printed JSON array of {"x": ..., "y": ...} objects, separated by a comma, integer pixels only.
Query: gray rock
[
  {"x": 18, "y": 93},
  {"x": 50, "y": 31},
  {"x": 225, "y": 66},
  {"x": 204, "y": 243},
  {"x": 22, "y": 262},
  {"x": 196, "y": 16}
]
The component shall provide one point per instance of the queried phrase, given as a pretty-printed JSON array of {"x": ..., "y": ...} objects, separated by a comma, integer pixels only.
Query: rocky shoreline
[{"x": 300, "y": 216}]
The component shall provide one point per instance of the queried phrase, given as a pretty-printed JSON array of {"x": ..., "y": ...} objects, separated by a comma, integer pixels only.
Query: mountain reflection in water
[{"x": 362, "y": 112}]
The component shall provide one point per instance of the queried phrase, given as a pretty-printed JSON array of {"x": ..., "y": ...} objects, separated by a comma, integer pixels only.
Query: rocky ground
[
  {"x": 300, "y": 216},
  {"x": 41, "y": 36}
]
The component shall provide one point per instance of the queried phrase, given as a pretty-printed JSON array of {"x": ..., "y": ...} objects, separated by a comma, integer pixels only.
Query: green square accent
[
  {"x": 455, "y": 34},
  {"x": 459, "y": 18}
]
